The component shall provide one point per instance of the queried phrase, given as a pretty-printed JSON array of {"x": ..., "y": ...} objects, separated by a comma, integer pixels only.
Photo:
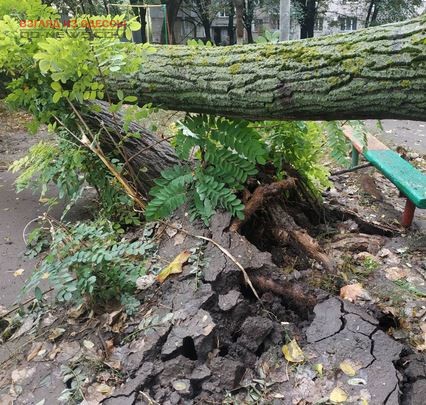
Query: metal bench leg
[
  {"x": 408, "y": 214},
  {"x": 355, "y": 157}
]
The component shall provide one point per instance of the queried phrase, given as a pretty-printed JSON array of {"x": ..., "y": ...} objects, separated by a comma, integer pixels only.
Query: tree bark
[
  {"x": 145, "y": 157},
  {"x": 377, "y": 73},
  {"x": 231, "y": 30},
  {"x": 239, "y": 12}
]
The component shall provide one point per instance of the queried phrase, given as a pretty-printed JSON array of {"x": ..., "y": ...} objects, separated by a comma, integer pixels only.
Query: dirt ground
[
  {"x": 17, "y": 210},
  {"x": 202, "y": 337}
]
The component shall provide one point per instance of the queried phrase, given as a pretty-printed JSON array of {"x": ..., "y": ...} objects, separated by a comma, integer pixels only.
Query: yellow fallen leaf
[
  {"x": 45, "y": 275},
  {"x": 338, "y": 396},
  {"x": 353, "y": 291},
  {"x": 348, "y": 368},
  {"x": 318, "y": 367},
  {"x": 18, "y": 272},
  {"x": 175, "y": 266},
  {"x": 293, "y": 353}
]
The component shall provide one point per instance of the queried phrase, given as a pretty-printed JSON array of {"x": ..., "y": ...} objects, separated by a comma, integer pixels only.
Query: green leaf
[
  {"x": 130, "y": 99},
  {"x": 56, "y": 86},
  {"x": 135, "y": 25},
  {"x": 120, "y": 94},
  {"x": 56, "y": 97},
  {"x": 38, "y": 294}
]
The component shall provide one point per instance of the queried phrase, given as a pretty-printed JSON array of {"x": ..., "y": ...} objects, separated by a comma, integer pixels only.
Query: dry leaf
[
  {"x": 357, "y": 381},
  {"x": 76, "y": 312},
  {"x": 21, "y": 374},
  {"x": 57, "y": 332},
  {"x": 179, "y": 238},
  {"x": 348, "y": 368},
  {"x": 318, "y": 367},
  {"x": 35, "y": 349},
  {"x": 89, "y": 345},
  {"x": 104, "y": 389},
  {"x": 18, "y": 272},
  {"x": 293, "y": 353},
  {"x": 395, "y": 273},
  {"x": 175, "y": 266},
  {"x": 144, "y": 282},
  {"x": 338, "y": 395},
  {"x": 352, "y": 292}
]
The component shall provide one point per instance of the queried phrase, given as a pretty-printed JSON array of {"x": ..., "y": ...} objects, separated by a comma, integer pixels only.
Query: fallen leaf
[
  {"x": 104, "y": 389},
  {"x": 18, "y": 272},
  {"x": 179, "y": 238},
  {"x": 76, "y": 312},
  {"x": 21, "y": 374},
  {"x": 357, "y": 381},
  {"x": 348, "y": 368},
  {"x": 144, "y": 282},
  {"x": 293, "y": 353},
  {"x": 318, "y": 367},
  {"x": 175, "y": 266},
  {"x": 57, "y": 332},
  {"x": 352, "y": 292},
  {"x": 395, "y": 273},
  {"x": 88, "y": 344},
  {"x": 338, "y": 395},
  {"x": 34, "y": 351}
]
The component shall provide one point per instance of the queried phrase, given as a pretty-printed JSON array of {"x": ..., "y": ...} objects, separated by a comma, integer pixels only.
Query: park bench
[{"x": 410, "y": 181}]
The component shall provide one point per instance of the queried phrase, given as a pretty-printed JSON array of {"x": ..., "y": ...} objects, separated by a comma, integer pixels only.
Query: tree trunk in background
[
  {"x": 239, "y": 12},
  {"x": 250, "y": 39},
  {"x": 378, "y": 73},
  {"x": 207, "y": 30},
  {"x": 231, "y": 31},
  {"x": 308, "y": 21},
  {"x": 173, "y": 7},
  {"x": 369, "y": 12},
  {"x": 141, "y": 13}
]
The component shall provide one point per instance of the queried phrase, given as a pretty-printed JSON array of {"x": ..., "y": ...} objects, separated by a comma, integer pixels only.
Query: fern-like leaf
[
  {"x": 337, "y": 143},
  {"x": 232, "y": 168},
  {"x": 169, "y": 192}
]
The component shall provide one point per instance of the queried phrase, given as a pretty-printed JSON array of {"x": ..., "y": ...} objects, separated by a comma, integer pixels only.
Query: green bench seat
[{"x": 409, "y": 180}]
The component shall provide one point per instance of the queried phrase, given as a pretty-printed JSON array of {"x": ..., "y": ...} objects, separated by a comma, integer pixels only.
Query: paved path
[{"x": 409, "y": 134}]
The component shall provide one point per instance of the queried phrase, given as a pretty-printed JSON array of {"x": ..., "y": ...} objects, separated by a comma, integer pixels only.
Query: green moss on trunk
[{"x": 379, "y": 72}]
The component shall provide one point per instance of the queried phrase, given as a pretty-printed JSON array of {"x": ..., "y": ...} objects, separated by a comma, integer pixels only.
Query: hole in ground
[
  {"x": 387, "y": 321},
  {"x": 188, "y": 348}
]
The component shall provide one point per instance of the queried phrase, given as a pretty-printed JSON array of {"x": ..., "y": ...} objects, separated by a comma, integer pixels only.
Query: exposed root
[
  {"x": 295, "y": 294},
  {"x": 258, "y": 198},
  {"x": 287, "y": 231}
]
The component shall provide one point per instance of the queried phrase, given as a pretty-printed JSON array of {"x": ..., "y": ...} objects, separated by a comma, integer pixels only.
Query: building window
[
  {"x": 223, "y": 13},
  {"x": 319, "y": 24},
  {"x": 348, "y": 23}
]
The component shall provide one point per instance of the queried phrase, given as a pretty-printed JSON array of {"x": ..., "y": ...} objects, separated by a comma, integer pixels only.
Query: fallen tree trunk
[
  {"x": 145, "y": 156},
  {"x": 378, "y": 72}
]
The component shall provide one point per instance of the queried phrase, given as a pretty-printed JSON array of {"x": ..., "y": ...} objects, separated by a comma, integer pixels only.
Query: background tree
[
  {"x": 250, "y": 7},
  {"x": 231, "y": 14},
  {"x": 202, "y": 12},
  {"x": 239, "y": 13},
  {"x": 173, "y": 7},
  {"x": 386, "y": 11}
]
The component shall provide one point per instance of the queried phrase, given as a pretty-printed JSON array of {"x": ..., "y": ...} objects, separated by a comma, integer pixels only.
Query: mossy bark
[{"x": 378, "y": 72}]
